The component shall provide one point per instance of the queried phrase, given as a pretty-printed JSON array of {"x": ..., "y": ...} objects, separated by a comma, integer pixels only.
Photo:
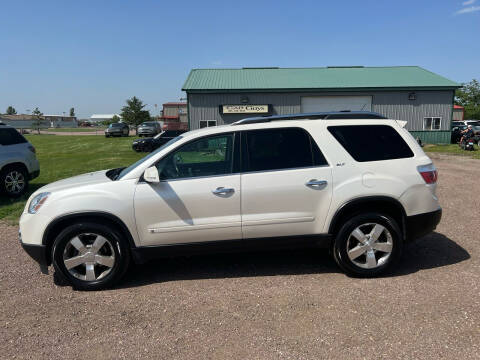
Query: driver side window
[{"x": 207, "y": 156}]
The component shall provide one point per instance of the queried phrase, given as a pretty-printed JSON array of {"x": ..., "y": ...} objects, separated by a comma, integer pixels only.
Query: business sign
[{"x": 244, "y": 109}]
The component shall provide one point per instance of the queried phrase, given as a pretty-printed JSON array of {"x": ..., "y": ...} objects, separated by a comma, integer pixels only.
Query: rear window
[
  {"x": 278, "y": 149},
  {"x": 371, "y": 142},
  {"x": 11, "y": 137}
]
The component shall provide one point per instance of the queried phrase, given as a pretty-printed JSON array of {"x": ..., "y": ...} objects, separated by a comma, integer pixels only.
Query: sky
[{"x": 93, "y": 55}]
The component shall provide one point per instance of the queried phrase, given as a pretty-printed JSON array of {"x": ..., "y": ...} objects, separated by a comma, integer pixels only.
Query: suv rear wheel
[
  {"x": 14, "y": 181},
  {"x": 368, "y": 244},
  {"x": 90, "y": 256}
]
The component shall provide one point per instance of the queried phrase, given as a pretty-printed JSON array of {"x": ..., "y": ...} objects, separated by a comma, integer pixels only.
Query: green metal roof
[{"x": 327, "y": 78}]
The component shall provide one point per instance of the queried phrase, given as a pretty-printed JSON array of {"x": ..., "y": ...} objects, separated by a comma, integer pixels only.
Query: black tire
[
  {"x": 14, "y": 181},
  {"x": 383, "y": 262},
  {"x": 85, "y": 231}
]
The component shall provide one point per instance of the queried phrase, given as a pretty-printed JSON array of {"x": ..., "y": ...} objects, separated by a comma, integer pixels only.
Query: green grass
[
  {"x": 452, "y": 149},
  {"x": 64, "y": 156},
  {"x": 79, "y": 129}
]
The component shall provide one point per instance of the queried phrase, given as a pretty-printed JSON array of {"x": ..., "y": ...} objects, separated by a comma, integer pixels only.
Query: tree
[
  {"x": 468, "y": 96},
  {"x": 37, "y": 119},
  {"x": 11, "y": 111},
  {"x": 72, "y": 111},
  {"x": 133, "y": 113}
]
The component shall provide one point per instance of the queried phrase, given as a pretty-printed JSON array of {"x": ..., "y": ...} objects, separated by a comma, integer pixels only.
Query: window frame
[
  {"x": 431, "y": 127},
  {"x": 245, "y": 160},
  {"x": 235, "y": 156},
  {"x": 207, "y": 121}
]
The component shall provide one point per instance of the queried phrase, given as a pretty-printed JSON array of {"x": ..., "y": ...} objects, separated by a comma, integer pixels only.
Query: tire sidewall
[
  {"x": 340, "y": 245},
  {"x": 120, "y": 248}
]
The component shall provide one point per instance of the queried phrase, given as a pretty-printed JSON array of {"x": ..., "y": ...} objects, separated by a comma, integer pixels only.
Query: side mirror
[{"x": 151, "y": 175}]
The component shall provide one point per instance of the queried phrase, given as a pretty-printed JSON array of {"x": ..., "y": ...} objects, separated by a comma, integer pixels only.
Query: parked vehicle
[
  {"x": 150, "y": 144},
  {"x": 18, "y": 162},
  {"x": 357, "y": 183},
  {"x": 467, "y": 144},
  {"x": 149, "y": 128},
  {"x": 117, "y": 129},
  {"x": 472, "y": 122},
  {"x": 456, "y": 133}
]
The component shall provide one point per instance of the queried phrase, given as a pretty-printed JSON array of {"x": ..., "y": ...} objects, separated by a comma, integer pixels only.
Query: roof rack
[{"x": 313, "y": 116}]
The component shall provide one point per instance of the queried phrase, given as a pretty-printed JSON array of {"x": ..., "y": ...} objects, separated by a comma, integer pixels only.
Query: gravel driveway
[{"x": 284, "y": 305}]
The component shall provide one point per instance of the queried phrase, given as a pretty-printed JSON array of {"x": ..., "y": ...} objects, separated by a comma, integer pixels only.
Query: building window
[
  {"x": 431, "y": 123},
  {"x": 207, "y": 123}
]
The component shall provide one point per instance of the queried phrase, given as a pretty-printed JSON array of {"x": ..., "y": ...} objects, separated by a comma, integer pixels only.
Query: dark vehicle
[
  {"x": 117, "y": 129},
  {"x": 149, "y": 128},
  {"x": 457, "y": 123},
  {"x": 457, "y": 133},
  {"x": 150, "y": 144}
]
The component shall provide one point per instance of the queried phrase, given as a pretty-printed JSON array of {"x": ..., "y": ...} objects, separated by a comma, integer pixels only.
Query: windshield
[
  {"x": 115, "y": 125},
  {"x": 148, "y": 124},
  {"x": 142, "y": 160},
  {"x": 476, "y": 127}
]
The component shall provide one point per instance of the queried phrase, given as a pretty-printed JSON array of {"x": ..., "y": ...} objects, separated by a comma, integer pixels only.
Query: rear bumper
[{"x": 422, "y": 224}]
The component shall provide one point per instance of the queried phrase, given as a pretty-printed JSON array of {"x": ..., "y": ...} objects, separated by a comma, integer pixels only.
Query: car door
[
  {"x": 286, "y": 185},
  {"x": 198, "y": 197}
]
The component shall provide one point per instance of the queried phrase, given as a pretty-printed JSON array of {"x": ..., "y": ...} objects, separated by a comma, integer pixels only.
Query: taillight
[
  {"x": 32, "y": 148},
  {"x": 429, "y": 173}
]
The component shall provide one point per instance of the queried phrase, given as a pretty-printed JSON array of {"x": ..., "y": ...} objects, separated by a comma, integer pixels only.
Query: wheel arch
[
  {"x": 15, "y": 164},
  {"x": 104, "y": 218},
  {"x": 383, "y": 204}
]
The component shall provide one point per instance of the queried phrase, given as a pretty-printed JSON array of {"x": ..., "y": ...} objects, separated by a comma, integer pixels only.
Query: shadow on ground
[{"x": 432, "y": 251}]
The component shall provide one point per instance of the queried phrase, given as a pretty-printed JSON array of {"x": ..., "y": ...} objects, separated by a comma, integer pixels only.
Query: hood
[{"x": 96, "y": 177}]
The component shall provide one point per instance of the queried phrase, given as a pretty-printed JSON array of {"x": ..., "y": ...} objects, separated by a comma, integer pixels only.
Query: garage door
[{"x": 336, "y": 103}]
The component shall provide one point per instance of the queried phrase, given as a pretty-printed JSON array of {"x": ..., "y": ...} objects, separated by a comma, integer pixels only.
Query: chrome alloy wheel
[
  {"x": 14, "y": 182},
  {"x": 369, "y": 245},
  {"x": 89, "y": 257}
]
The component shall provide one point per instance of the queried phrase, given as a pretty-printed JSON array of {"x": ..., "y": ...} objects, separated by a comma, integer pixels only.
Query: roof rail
[{"x": 313, "y": 116}]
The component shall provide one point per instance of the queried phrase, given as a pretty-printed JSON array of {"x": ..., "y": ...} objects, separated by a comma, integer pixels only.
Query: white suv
[{"x": 355, "y": 182}]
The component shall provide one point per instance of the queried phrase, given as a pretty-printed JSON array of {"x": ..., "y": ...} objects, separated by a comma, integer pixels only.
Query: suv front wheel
[
  {"x": 368, "y": 244},
  {"x": 90, "y": 256}
]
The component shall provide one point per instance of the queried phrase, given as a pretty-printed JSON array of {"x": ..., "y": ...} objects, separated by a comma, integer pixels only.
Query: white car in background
[
  {"x": 18, "y": 162},
  {"x": 356, "y": 182}
]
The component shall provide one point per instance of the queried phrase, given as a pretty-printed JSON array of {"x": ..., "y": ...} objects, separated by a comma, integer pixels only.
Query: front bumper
[
  {"x": 34, "y": 174},
  {"x": 37, "y": 253},
  {"x": 422, "y": 224}
]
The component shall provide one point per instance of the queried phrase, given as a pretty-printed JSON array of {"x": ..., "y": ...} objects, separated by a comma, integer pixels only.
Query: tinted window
[
  {"x": 371, "y": 142},
  {"x": 207, "y": 156},
  {"x": 275, "y": 149},
  {"x": 11, "y": 137}
]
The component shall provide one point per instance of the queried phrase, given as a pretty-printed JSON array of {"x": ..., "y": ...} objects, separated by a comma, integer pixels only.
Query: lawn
[
  {"x": 452, "y": 149},
  {"x": 64, "y": 156}
]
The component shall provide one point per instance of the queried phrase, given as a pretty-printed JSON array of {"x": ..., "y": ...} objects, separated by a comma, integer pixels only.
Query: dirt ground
[{"x": 279, "y": 305}]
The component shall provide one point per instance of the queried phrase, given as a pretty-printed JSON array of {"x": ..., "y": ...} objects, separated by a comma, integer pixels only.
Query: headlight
[{"x": 37, "y": 202}]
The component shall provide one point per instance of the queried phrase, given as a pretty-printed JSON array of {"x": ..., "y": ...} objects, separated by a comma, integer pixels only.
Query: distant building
[
  {"x": 174, "y": 116},
  {"x": 24, "y": 121},
  {"x": 458, "y": 113},
  {"x": 98, "y": 118}
]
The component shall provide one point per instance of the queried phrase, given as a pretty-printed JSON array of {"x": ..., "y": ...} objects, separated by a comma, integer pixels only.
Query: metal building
[{"x": 411, "y": 93}]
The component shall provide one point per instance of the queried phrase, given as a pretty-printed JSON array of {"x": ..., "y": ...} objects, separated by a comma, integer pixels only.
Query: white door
[
  {"x": 287, "y": 188},
  {"x": 335, "y": 103},
  {"x": 198, "y": 198}
]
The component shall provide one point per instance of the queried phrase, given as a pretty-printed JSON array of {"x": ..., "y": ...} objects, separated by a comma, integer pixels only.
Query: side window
[
  {"x": 207, "y": 156},
  {"x": 11, "y": 137},
  {"x": 431, "y": 123},
  {"x": 371, "y": 142},
  {"x": 277, "y": 149}
]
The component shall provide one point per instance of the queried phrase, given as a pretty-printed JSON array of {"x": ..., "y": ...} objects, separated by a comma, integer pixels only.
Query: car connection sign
[{"x": 245, "y": 109}]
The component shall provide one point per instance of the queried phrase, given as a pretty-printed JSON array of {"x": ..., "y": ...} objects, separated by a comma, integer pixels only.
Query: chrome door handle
[
  {"x": 222, "y": 191},
  {"x": 315, "y": 182}
]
